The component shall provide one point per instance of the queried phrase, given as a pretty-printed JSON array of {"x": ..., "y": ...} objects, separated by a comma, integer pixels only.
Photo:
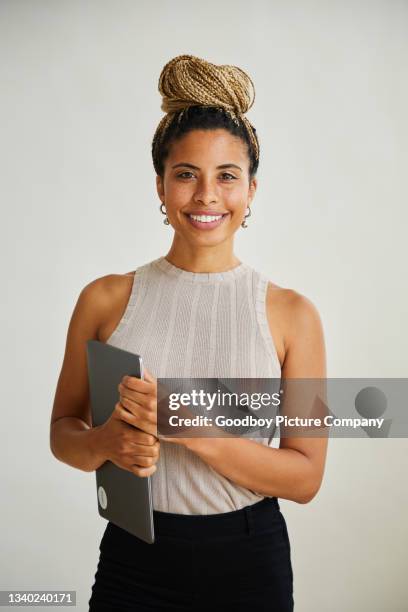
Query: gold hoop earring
[
  {"x": 244, "y": 224},
  {"x": 166, "y": 220}
]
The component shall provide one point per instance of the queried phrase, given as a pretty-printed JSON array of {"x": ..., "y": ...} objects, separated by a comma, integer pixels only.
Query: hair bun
[{"x": 187, "y": 80}]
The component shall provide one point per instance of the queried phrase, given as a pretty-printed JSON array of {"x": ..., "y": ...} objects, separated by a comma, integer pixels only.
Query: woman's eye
[{"x": 226, "y": 175}]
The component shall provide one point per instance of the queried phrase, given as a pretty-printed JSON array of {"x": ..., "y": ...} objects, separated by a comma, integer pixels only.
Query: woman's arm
[
  {"x": 73, "y": 440},
  {"x": 75, "y": 443},
  {"x": 295, "y": 470}
]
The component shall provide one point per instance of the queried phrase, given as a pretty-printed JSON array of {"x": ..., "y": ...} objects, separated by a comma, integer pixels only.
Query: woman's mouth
[{"x": 206, "y": 222}]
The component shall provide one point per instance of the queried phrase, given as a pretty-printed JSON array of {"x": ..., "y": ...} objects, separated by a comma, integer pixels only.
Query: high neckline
[{"x": 200, "y": 277}]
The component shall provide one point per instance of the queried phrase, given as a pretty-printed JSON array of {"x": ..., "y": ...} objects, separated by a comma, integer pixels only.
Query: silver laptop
[{"x": 123, "y": 498}]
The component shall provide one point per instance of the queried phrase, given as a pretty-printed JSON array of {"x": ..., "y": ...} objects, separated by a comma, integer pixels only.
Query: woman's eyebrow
[{"x": 187, "y": 165}]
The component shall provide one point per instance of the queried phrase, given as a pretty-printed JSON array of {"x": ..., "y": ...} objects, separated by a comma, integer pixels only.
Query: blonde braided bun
[{"x": 187, "y": 81}]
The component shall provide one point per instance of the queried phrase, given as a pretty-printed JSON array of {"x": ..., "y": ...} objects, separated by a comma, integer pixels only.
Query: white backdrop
[{"x": 79, "y": 106}]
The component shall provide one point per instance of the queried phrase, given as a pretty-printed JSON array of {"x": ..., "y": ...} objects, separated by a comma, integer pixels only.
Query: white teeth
[{"x": 205, "y": 218}]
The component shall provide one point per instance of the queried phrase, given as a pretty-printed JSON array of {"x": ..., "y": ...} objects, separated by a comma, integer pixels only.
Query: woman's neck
[{"x": 203, "y": 260}]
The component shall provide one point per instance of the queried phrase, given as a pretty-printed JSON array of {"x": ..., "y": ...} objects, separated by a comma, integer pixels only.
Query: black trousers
[{"x": 234, "y": 561}]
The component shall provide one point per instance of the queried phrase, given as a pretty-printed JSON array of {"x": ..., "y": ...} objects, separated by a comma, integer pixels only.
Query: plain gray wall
[{"x": 79, "y": 106}]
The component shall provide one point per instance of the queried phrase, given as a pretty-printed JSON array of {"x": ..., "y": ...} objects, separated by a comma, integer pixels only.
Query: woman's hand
[
  {"x": 128, "y": 438},
  {"x": 138, "y": 402}
]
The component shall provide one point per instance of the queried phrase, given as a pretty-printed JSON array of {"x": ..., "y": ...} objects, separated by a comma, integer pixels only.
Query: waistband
[{"x": 245, "y": 520}]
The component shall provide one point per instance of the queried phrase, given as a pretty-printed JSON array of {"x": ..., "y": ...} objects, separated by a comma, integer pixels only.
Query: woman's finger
[
  {"x": 148, "y": 376},
  {"x": 143, "y": 399},
  {"x": 138, "y": 384},
  {"x": 140, "y": 423},
  {"x": 143, "y": 472},
  {"x": 143, "y": 460},
  {"x": 145, "y": 450},
  {"x": 145, "y": 413},
  {"x": 126, "y": 415}
]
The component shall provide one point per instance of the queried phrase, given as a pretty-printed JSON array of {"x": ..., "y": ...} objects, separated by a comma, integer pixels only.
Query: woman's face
[{"x": 206, "y": 175}]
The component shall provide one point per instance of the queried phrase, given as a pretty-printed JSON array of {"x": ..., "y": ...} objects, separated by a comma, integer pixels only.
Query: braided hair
[{"x": 199, "y": 95}]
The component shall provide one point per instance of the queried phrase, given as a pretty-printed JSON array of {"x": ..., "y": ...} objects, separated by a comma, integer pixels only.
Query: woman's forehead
[{"x": 214, "y": 143}]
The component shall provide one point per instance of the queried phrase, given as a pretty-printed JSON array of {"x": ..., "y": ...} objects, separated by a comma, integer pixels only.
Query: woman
[{"x": 221, "y": 540}]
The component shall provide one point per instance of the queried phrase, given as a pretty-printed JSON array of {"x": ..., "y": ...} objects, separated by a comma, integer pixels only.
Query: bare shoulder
[
  {"x": 98, "y": 293},
  {"x": 289, "y": 312},
  {"x": 104, "y": 286},
  {"x": 112, "y": 293},
  {"x": 99, "y": 301},
  {"x": 96, "y": 301}
]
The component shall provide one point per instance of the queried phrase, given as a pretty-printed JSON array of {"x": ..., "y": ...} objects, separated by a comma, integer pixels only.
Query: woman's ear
[
  {"x": 160, "y": 187},
  {"x": 252, "y": 189}
]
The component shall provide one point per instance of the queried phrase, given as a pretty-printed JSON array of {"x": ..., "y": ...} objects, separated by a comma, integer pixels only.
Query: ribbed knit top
[{"x": 206, "y": 325}]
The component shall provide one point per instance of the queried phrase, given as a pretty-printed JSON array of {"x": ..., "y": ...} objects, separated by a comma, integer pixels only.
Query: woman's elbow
[{"x": 308, "y": 493}]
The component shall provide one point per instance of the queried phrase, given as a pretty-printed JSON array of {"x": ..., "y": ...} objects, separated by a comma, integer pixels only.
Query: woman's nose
[{"x": 206, "y": 192}]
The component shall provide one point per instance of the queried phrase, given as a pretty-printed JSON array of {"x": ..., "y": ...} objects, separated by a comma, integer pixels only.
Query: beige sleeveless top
[{"x": 209, "y": 325}]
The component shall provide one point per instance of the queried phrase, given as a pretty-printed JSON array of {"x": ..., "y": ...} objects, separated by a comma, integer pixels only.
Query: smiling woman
[
  {"x": 206, "y": 155},
  {"x": 206, "y": 196},
  {"x": 198, "y": 312}
]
